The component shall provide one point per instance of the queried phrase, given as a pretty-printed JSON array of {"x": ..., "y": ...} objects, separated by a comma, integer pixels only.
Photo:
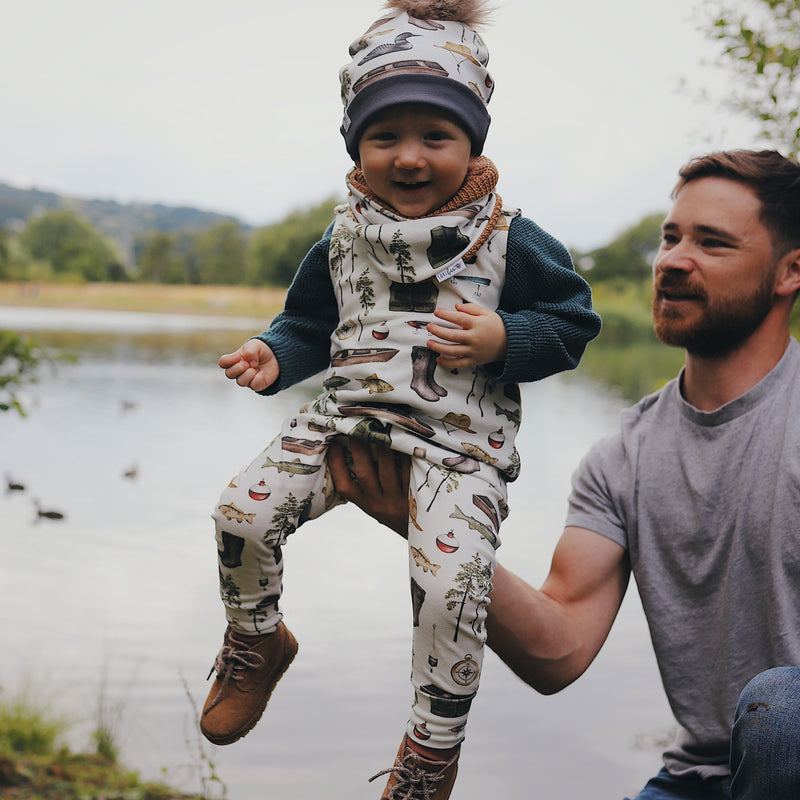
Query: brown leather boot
[
  {"x": 415, "y": 776},
  {"x": 248, "y": 668}
]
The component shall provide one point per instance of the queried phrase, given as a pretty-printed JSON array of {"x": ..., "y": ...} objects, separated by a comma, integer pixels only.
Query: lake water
[{"x": 117, "y": 603}]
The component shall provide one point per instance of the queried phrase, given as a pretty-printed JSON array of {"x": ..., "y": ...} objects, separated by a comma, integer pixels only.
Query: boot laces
[
  {"x": 230, "y": 664},
  {"x": 413, "y": 782}
]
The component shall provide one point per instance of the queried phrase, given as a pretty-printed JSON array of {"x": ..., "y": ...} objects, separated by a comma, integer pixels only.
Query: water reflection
[
  {"x": 125, "y": 586},
  {"x": 632, "y": 370}
]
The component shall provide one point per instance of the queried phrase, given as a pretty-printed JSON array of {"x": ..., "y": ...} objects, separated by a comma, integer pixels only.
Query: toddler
[{"x": 427, "y": 301}]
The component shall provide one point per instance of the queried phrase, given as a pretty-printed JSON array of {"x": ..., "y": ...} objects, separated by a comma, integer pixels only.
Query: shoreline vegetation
[
  {"x": 36, "y": 764},
  {"x": 230, "y": 301},
  {"x": 622, "y": 357},
  {"x": 625, "y": 309}
]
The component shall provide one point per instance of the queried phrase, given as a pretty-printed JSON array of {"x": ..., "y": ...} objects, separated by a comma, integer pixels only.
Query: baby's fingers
[
  {"x": 447, "y": 333},
  {"x": 228, "y": 360}
]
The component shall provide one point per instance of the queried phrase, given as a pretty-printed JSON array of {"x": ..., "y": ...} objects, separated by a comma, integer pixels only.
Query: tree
[
  {"x": 5, "y": 255},
  {"x": 219, "y": 255},
  {"x": 18, "y": 364},
  {"x": 628, "y": 257},
  {"x": 70, "y": 245},
  {"x": 276, "y": 251},
  {"x": 158, "y": 261},
  {"x": 760, "y": 42}
]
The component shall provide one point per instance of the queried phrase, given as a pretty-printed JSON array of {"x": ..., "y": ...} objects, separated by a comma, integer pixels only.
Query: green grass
[
  {"x": 27, "y": 729},
  {"x": 36, "y": 764}
]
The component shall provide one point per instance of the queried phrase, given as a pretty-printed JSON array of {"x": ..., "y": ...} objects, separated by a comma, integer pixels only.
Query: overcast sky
[{"x": 234, "y": 106}]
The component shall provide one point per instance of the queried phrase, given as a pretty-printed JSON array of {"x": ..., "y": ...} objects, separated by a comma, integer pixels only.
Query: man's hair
[{"x": 775, "y": 180}]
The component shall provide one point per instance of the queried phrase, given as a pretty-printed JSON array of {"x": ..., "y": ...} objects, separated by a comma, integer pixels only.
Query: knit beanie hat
[{"x": 427, "y": 51}]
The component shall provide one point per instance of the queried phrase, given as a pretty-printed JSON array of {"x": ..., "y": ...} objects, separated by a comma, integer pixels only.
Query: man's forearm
[
  {"x": 549, "y": 636},
  {"x": 527, "y": 629}
]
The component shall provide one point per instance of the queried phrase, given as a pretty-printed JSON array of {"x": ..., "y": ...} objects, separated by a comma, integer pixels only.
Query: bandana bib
[{"x": 389, "y": 275}]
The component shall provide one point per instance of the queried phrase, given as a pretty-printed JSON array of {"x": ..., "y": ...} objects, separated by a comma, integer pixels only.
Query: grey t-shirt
[{"x": 707, "y": 505}]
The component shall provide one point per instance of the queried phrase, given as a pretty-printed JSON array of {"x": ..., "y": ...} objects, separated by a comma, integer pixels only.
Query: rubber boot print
[{"x": 423, "y": 365}]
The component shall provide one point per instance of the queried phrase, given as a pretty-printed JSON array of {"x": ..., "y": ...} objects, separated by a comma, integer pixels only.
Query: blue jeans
[
  {"x": 765, "y": 742},
  {"x": 765, "y": 747}
]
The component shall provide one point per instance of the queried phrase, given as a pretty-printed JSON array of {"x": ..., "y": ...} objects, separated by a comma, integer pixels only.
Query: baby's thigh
[
  {"x": 274, "y": 494},
  {"x": 453, "y": 528}
]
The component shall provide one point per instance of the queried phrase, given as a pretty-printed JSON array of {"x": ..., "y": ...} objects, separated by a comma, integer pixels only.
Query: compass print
[{"x": 465, "y": 672}]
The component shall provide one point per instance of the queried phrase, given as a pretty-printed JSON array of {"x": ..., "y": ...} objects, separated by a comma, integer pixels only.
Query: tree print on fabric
[
  {"x": 449, "y": 479},
  {"x": 229, "y": 590},
  {"x": 288, "y": 516},
  {"x": 473, "y": 576},
  {"x": 365, "y": 288},
  {"x": 340, "y": 248},
  {"x": 366, "y": 291},
  {"x": 399, "y": 248}
]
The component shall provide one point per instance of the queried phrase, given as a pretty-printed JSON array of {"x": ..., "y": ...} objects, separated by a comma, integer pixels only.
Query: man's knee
[{"x": 765, "y": 742}]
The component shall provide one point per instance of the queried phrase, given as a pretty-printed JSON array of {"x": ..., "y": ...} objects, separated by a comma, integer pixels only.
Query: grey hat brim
[{"x": 444, "y": 93}]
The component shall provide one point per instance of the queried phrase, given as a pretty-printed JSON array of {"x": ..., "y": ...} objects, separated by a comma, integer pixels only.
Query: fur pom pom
[{"x": 473, "y": 13}]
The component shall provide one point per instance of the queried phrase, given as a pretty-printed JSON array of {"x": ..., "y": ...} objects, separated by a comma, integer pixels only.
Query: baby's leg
[
  {"x": 255, "y": 514},
  {"x": 453, "y": 534}
]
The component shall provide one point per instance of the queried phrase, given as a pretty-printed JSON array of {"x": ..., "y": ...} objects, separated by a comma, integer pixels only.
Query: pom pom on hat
[
  {"x": 472, "y": 13},
  {"x": 427, "y": 51}
]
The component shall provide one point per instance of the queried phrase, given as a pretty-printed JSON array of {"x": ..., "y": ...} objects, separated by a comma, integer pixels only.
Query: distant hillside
[{"x": 120, "y": 222}]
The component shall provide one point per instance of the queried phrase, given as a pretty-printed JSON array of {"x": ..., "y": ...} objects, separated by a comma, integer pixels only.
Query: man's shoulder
[
  {"x": 615, "y": 455},
  {"x": 648, "y": 406}
]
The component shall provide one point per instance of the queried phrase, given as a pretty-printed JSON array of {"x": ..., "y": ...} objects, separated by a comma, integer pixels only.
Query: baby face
[{"x": 414, "y": 157}]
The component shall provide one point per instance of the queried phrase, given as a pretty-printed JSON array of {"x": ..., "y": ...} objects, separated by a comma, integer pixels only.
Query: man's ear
[{"x": 787, "y": 279}]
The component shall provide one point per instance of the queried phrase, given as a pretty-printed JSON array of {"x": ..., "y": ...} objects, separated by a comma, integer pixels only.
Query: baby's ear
[{"x": 473, "y": 160}]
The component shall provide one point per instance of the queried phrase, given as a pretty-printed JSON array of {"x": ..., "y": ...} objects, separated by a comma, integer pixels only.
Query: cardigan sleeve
[
  {"x": 300, "y": 335},
  {"x": 545, "y": 305}
]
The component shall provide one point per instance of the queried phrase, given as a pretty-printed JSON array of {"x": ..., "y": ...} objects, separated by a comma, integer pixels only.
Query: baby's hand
[
  {"x": 480, "y": 337},
  {"x": 253, "y": 364}
]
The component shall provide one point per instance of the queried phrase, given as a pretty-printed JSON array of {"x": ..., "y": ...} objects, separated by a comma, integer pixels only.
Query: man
[{"x": 698, "y": 495}]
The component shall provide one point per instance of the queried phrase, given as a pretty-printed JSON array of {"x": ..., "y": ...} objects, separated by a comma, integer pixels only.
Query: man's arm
[
  {"x": 548, "y": 637},
  {"x": 551, "y": 635}
]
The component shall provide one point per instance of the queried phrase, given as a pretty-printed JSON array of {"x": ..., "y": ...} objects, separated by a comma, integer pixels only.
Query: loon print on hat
[{"x": 427, "y": 52}]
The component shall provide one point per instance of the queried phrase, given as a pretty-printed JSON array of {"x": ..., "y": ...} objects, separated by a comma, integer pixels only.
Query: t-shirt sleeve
[{"x": 598, "y": 488}]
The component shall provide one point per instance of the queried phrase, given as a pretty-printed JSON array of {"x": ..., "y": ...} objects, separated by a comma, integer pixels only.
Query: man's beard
[{"x": 723, "y": 324}]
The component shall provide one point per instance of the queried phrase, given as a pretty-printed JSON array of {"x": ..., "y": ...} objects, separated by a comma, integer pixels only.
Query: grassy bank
[
  {"x": 64, "y": 775},
  {"x": 35, "y": 764},
  {"x": 239, "y": 301}
]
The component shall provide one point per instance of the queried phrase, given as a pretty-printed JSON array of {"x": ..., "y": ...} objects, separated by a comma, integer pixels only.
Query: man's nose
[{"x": 676, "y": 257}]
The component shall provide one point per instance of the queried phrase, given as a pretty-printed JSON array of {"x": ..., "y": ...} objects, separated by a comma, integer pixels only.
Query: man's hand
[
  {"x": 376, "y": 481},
  {"x": 253, "y": 364},
  {"x": 480, "y": 337}
]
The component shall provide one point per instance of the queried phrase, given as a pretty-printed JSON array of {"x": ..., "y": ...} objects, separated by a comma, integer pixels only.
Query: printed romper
[{"x": 385, "y": 385}]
